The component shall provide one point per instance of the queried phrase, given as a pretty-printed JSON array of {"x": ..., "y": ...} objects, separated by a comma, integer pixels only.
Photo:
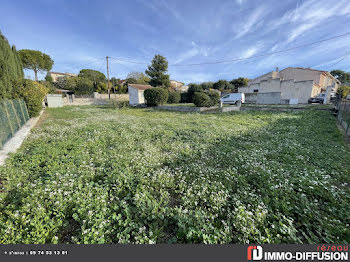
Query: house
[
  {"x": 293, "y": 83},
  {"x": 56, "y": 75},
  {"x": 175, "y": 84},
  {"x": 182, "y": 89},
  {"x": 136, "y": 93}
]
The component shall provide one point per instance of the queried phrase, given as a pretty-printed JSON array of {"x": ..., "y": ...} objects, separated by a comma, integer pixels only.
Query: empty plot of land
[{"x": 103, "y": 175}]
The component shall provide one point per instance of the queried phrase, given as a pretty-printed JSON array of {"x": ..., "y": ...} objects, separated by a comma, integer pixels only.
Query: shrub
[
  {"x": 174, "y": 97},
  {"x": 201, "y": 99},
  {"x": 156, "y": 96},
  {"x": 193, "y": 88},
  {"x": 120, "y": 104},
  {"x": 33, "y": 94},
  {"x": 214, "y": 98},
  {"x": 80, "y": 85},
  {"x": 185, "y": 98},
  {"x": 343, "y": 91}
]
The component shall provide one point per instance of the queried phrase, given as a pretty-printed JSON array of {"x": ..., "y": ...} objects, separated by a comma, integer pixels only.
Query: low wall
[
  {"x": 54, "y": 100},
  {"x": 230, "y": 108},
  {"x": 250, "y": 98},
  {"x": 99, "y": 99},
  {"x": 269, "y": 98}
]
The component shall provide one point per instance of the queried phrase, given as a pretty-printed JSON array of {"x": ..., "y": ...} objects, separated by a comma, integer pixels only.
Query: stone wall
[{"x": 270, "y": 98}]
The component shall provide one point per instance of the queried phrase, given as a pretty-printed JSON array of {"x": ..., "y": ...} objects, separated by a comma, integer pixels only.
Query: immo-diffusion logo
[
  {"x": 335, "y": 253},
  {"x": 255, "y": 253}
]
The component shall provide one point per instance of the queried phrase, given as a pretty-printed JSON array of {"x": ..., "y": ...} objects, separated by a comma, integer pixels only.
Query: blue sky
[{"x": 79, "y": 34}]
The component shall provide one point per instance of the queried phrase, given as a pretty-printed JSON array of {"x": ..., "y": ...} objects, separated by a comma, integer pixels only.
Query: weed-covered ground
[{"x": 105, "y": 175}]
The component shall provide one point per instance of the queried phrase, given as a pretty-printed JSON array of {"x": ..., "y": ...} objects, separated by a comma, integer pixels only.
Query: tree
[
  {"x": 11, "y": 71},
  {"x": 48, "y": 78},
  {"x": 223, "y": 85},
  {"x": 93, "y": 75},
  {"x": 342, "y": 76},
  {"x": 238, "y": 82},
  {"x": 207, "y": 85},
  {"x": 343, "y": 91},
  {"x": 157, "y": 72},
  {"x": 36, "y": 61},
  {"x": 138, "y": 78},
  {"x": 79, "y": 85}
]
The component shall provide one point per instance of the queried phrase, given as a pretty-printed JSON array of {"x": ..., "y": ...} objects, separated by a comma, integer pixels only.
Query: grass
[
  {"x": 306, "y": 106},
  {"x": 103, "y": 175}
]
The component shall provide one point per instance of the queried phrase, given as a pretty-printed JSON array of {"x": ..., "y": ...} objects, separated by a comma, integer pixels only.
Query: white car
[
  {"x": 233, "y": 98},
  {"x": 348, "y": 97}
]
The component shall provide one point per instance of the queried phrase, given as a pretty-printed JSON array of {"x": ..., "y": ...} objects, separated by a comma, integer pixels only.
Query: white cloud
[
  {"x": 251, "y": 23},
  {"x": 250, "y": 52}
]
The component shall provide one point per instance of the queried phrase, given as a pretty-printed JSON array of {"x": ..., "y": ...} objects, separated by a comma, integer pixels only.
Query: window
[
  {"x": 256, "y": 90},
  {"x": 227, "y": 96}
]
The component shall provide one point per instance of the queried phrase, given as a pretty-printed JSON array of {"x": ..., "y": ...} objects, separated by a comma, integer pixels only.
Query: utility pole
[{"x": 109, "y": 91}]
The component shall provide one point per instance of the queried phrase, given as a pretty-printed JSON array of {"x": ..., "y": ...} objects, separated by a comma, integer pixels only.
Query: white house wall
[
  {"x": 133, "y": 96},
  {"x": 141, "y": 97}
]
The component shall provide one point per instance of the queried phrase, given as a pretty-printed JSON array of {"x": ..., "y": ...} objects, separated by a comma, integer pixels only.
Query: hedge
[
  {"x": 201, "y": 99},
  {"x": 33, "y": 94},
  {"x": 174, "y": 97},
  {"x": 156, "y": 96},
  {"x": 11, "y": 71}
]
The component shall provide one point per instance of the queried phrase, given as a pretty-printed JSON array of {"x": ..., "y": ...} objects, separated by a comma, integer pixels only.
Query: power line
[
  {"x": 241, "y": 59},
  {"x": 341, "y": 59}
]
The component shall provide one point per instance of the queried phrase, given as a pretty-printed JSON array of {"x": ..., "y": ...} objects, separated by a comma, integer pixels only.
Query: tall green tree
[
  {"x": 93, "y": 75},
  {"x": 157, "y": 72},
  {"x": 36, "y": 61},
  {"x": 11, "y": 71},
  {"x": 223, "y": 85},
  {"x": 342, "y": 76},
  {"x": 238, "y": 82}
]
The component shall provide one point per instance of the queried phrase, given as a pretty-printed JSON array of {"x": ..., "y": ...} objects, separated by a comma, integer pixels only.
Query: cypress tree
[{"x": 11, "y": 70}]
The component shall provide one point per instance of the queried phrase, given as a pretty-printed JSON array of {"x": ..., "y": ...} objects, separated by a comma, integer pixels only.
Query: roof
[{"x": 140, "y": 87}]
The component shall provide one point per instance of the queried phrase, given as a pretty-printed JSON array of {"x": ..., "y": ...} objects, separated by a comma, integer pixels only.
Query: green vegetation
[
  {"x": 35, "y": 60},
  {"x": 137, "y": 78},
  {"x": 106, "y": 175},
  {"x": 343, "y": 91},
  {"x": 174, "y": 97},
  {"x": 206, "y": 99},
  {"x": 156, "y": 96},
  {"x": 33, "y": 94},
  {"x": 11, "y": 71},
  {"x": 157, "y": 72}
]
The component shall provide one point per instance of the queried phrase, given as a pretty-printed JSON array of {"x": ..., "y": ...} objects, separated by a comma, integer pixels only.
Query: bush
[
  {"x": 214, "y": 98},
  {"x": 193, "y": 88},
  {"x": 33, "y": 94},
  {"x": 156, "y": 96},
  {"x": 79, "y": 85},
  {"x": 185, "y": 98},
  {"x": 201, "y": 99},
  {"x": 174, "y": 97},
  {"x": 343, "y": 91},
  {"x": 120, "y": 104}
]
